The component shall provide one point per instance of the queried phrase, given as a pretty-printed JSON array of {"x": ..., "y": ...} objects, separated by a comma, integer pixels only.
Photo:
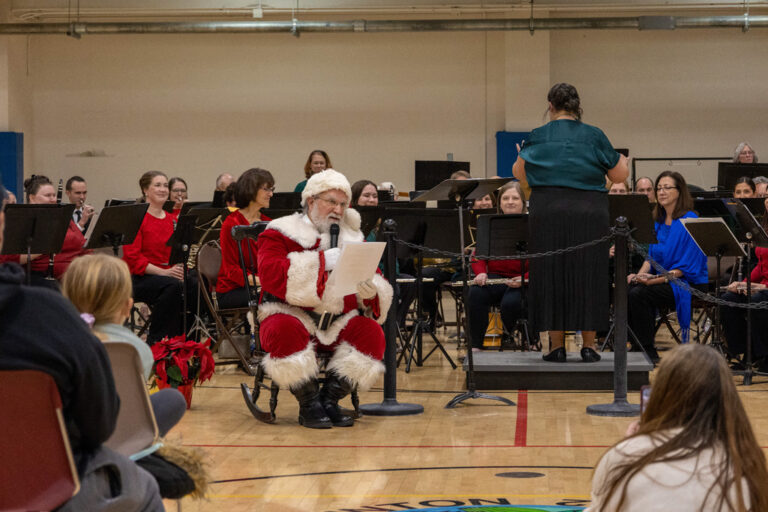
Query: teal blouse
[
  {"x": 300, "y": 187},
  {"x": 568, "y": 153}
]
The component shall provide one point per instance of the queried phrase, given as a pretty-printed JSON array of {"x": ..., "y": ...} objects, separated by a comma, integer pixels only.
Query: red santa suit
[{"x": 291, "y": 263}]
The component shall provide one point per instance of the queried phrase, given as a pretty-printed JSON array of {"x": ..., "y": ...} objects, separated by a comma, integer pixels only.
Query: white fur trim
[
  {"x": 385, "y": 295},
  {"x": 359, "y": 369},
  {"x": 329, "y": 335},
  {"x": 301, "y": 285},
  {"x": 328, "y": 179},
  {"x": 268, "y": 309},
  {"x": 298, "y": 228},
  {"x": 294, "y": 369}
]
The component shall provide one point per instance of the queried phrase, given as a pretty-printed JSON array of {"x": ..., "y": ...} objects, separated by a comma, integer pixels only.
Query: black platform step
[{"x": 527, "y": 370}]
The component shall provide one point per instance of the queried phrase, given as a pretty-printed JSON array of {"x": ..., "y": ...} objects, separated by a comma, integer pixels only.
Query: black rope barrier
[{"x": 676, "y": 281}]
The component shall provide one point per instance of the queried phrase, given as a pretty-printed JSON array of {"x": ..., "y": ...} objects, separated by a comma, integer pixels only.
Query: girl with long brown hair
[{"x": 694, "y": 448}]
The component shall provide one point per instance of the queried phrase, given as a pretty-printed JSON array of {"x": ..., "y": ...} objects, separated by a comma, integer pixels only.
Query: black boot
[
  {"x": 334, "y": 389},
  {"x": 311, "y": 412}
]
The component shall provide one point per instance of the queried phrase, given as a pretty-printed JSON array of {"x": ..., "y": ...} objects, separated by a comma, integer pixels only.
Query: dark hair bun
[{"x": 564, "y": 97}]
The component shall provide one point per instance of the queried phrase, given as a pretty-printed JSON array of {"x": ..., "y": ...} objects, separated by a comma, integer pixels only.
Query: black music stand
[
  {"x": 168, "y": 206},
  {"x": 431, "y": 228},
  {"x": 35, "y": 229},
  {"x": 507, "y": 235},
  {"x": 119, "y": 202},
  {"x": 186, "y": 206},
  {"x": 116, "y": 226},
  {"x": 752, "y": 235},
  {"x": 729, "y": 172},
  {"x": 285, "y": 201},
  {"x": 756, "y": 205},
  {"x": 196, "y": 225},
  {"x": 459, "y": 191},
  {"x": 218, "y": 199},
  {"x": 276, "y": 213},
  {"x": 370, "y": 216},
  {"x": 714, "y": 239}
]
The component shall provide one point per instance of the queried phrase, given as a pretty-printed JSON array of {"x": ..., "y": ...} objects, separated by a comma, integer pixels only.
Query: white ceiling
[{"x": 146, "y": 10}]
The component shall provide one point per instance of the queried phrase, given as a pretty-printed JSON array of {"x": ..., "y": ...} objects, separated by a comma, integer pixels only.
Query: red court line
[{"x": 521, "y": 425}]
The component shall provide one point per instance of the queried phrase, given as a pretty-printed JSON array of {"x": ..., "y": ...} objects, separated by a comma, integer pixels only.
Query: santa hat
[{"x": 325, "y": 180}]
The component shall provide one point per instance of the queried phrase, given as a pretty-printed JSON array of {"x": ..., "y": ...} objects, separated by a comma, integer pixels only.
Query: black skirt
[{"x": 568, "y": 292}]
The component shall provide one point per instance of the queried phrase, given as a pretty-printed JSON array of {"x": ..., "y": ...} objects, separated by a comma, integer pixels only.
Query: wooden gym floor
[{"x": 541, "y": 451}]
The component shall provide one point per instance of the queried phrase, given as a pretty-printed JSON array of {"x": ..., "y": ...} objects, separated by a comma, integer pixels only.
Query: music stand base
[
  {"x": 391, "y": 407},
  {"x": 618, "y": 409},
  {"x": 474, "y": 394}
]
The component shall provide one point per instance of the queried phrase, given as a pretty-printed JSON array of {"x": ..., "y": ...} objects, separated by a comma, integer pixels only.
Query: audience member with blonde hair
[
  {"x": 693, "y": 449},
  {"x": 99, "y": 286}
]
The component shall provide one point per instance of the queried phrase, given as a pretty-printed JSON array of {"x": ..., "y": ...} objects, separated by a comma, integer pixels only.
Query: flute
[{"x": 497, "y": 280}]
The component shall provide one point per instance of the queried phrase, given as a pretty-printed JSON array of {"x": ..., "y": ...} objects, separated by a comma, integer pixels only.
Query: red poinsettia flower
[{"x": 179, "y": 361}]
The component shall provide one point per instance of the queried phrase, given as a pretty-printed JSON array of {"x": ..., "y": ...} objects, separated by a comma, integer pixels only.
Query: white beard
[{"x": 323, "y": 225}]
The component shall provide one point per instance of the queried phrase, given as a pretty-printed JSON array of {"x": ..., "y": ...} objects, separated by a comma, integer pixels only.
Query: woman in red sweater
[
  {"x": 39, "y": 190},
  {"x": 508, "y": 294},
  {"x": 253, "y": 190},
  {"x": 155, "y": 282}
]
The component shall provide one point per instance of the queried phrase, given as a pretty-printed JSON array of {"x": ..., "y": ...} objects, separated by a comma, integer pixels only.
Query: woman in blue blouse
[
  {"x": 678, "y": 254},
  {"x": 566, "y": 163}
]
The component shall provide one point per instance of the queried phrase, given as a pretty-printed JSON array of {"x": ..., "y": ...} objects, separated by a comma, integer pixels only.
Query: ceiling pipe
[{"x": 295, "y": 27}]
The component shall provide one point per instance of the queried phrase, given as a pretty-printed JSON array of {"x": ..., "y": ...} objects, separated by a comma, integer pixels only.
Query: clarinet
[{"x": 49, "y": 273}]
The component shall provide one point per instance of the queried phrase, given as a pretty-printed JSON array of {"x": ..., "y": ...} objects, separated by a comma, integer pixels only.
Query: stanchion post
[
  {"x": 390, "y": 406},
  {"x": 620, "y": 406}
]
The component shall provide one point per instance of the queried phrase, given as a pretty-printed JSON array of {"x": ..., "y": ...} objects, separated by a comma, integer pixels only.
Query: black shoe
[
  {"x": 588, "y": 355},
  {"x": 311, "y": 411},
  {"x": 653, "y": 355},
  {"x": 334, "y": 389},
  {"x": 556, "y": 356}
]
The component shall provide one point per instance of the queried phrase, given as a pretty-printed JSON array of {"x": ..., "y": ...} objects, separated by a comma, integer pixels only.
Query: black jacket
[{"x": 40, "y": 330}]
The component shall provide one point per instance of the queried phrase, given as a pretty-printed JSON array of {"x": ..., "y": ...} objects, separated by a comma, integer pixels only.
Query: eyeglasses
[
  {"x": 268, "y": 189},
  {"x": 334, "y": 203},
  {"x": 747, "y": 152},
  {"x": 179, "y": 191},
  {"x": 665, "y": 188}
]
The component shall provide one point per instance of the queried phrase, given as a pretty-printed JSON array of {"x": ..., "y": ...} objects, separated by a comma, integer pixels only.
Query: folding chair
[
  {"x": 136, "y": 434},
  {"x": 39, "y": 471},
  {"x": 207, "y": 267}
]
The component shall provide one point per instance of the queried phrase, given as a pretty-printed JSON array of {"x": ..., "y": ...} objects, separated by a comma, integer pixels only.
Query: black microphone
[{"x": 334, "y": 235}]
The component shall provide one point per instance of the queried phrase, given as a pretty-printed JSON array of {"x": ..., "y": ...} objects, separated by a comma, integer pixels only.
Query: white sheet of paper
[{"x": 358, "y": 262}]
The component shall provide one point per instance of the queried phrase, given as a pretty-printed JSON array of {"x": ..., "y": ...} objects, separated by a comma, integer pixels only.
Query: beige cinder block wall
[
  {"x": 693, "y": 93},
  {"x": 198, "y": 105}
]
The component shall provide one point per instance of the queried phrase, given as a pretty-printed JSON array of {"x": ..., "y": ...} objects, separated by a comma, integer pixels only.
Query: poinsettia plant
[{"x": 179, "y": 361}]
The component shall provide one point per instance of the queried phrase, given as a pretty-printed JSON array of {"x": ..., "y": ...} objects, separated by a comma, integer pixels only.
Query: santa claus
[{"x": 299, "y": 315}]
